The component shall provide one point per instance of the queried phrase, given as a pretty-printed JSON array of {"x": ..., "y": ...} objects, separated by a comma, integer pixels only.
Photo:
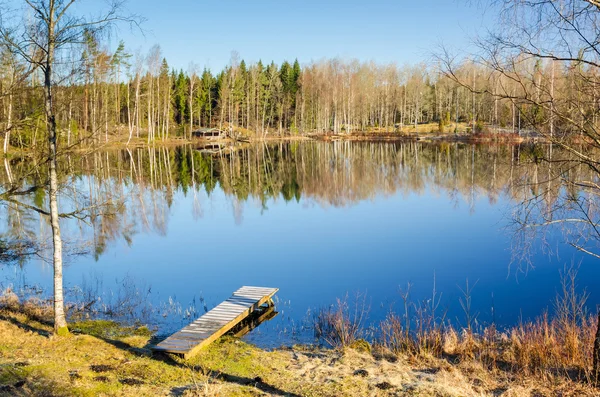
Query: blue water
[{"x": 315, "y": 252}]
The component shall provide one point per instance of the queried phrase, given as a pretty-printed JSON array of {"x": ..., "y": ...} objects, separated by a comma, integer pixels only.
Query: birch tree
[{"x": 47, "y": 30}]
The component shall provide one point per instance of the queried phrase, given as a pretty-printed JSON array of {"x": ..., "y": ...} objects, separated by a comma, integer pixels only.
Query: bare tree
[
  {"x": 41, "y": 41},
  {"x": 192, "y": 70},
  {"x": 545, "y": 63}
]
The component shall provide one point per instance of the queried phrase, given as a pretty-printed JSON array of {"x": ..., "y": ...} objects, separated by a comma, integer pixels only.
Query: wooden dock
[{"x": 217, "y": 321}]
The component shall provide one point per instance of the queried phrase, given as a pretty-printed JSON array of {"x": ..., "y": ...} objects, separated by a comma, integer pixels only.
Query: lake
[{"x": 186, "y": 226}]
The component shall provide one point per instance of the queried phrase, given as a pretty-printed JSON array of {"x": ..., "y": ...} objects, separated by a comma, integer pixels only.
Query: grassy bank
[{"x": 103, "y": 358}]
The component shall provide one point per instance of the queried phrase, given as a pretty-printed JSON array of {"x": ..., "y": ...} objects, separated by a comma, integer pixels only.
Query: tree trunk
[
  {"x": 136, "y": 111},
  {"x": 8, "y": 123},
  {"x": 129, "y": 115},
  {"x": 60, "y": 322},
  {"x": 105, "y": 105},
  {"x": 167, "y": 115},
  {"x": 70, "y": 119},
  {"x": 191, "y": 105},
  {"x": 596, "y": 375},
  {"x": 552, "y": 105},
  {"x": 150, "y": 110}
]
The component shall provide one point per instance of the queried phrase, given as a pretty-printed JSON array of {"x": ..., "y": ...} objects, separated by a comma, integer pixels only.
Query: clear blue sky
[{"x": 206, "y": 32}]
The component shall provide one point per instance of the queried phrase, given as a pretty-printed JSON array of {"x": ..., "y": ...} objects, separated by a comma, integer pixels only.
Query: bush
[
  {"x": 479, "y": 127},
  {"x": 342, "y": 325}
]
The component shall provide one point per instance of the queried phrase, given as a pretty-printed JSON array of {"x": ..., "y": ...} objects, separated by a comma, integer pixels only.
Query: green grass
[
  {"x": 103, "y": 358},
  {"x": 108, "y": 329}
]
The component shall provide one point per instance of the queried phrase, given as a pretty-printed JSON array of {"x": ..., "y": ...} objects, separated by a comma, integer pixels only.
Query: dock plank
[{"x": 216, "y": 322}]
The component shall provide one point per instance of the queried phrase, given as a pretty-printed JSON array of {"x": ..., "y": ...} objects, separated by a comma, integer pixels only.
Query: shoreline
[
  {"x": 119, "y": 142},
  {"x": 103, "y": 357}
]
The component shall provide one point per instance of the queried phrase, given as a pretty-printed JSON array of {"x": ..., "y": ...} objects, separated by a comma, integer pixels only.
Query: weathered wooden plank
[
  {"x": 242, "y": 293},
  {"x": 257, "y": 288},
  {"x": 250, "y": 290},
  {"x": 217, "y": 321},
  {"x": 246, "y": 295},
  {"x": 250, "y": 295},
  {"x": 240, "y": 300}
]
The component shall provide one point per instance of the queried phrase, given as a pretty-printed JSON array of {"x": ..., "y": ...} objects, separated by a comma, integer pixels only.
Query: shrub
[
  {"x": 342, "y": 324},
  {"x": 479, "y": 127}
]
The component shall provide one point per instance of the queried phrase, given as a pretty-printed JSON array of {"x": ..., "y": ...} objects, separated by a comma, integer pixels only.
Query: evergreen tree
[
  {"x": 205, "y": 98},
  {"x": 296, "y": 72},
  {"x": 180, "y": 94},
  {"x": 119, "y": 61}
]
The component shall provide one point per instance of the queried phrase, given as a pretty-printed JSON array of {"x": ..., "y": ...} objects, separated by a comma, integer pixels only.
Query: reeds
[
  {"x": 563, "y": 342},
  {"x": 556, "y": 344},
  {"x": 342, "y": 324},
  {"x": 419, "y": 329}
]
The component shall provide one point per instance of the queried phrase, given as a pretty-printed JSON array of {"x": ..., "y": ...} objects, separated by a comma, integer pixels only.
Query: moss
[
  {"x": 361, "y": 345},
  {"x": 109, "y": 329},
  {"x": 10, "y": 374},
  {"x": 62, "y": 331},
  {"x": 232, "y": 356}
]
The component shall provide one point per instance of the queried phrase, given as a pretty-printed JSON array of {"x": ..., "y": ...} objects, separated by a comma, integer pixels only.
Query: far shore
[{"x": 119, "y": 140}]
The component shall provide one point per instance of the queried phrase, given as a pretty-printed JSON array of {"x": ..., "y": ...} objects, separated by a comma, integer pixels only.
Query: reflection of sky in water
[{"x": 315, "y": 254}]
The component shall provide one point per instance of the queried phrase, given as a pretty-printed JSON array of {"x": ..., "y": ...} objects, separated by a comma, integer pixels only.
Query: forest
[{"x": 101, "y": 94}]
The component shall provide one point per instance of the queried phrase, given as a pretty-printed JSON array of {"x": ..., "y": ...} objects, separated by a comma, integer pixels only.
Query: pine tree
[
  {"x": 205, "y": 98},
  {"x": 180, "y": 92},
  {"x": 118, "y": 61}
]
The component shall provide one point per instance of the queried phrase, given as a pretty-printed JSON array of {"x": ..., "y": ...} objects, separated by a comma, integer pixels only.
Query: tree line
[{"x": 101, "y": 93}]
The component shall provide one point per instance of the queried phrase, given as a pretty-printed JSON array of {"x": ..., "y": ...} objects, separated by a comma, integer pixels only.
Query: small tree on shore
[{"x": 40, "y": 38}]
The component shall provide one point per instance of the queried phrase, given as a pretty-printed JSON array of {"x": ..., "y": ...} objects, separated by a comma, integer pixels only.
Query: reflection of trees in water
[
  {"x": 131, "y": 190},
  {"x": 343, "y": 173},
  {"x": 558, "y": 194}
]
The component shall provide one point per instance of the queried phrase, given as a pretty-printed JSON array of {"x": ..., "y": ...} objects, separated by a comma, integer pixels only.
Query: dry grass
[
  {"x": 32, "y": 362},
  {"x": 342, "y": 324},
  {"x": 551, "y": 352},
  {"x": 553, "y": 349}
]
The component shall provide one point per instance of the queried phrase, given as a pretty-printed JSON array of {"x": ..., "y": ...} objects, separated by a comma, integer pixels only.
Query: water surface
[{"x": 317, "y": 220}]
